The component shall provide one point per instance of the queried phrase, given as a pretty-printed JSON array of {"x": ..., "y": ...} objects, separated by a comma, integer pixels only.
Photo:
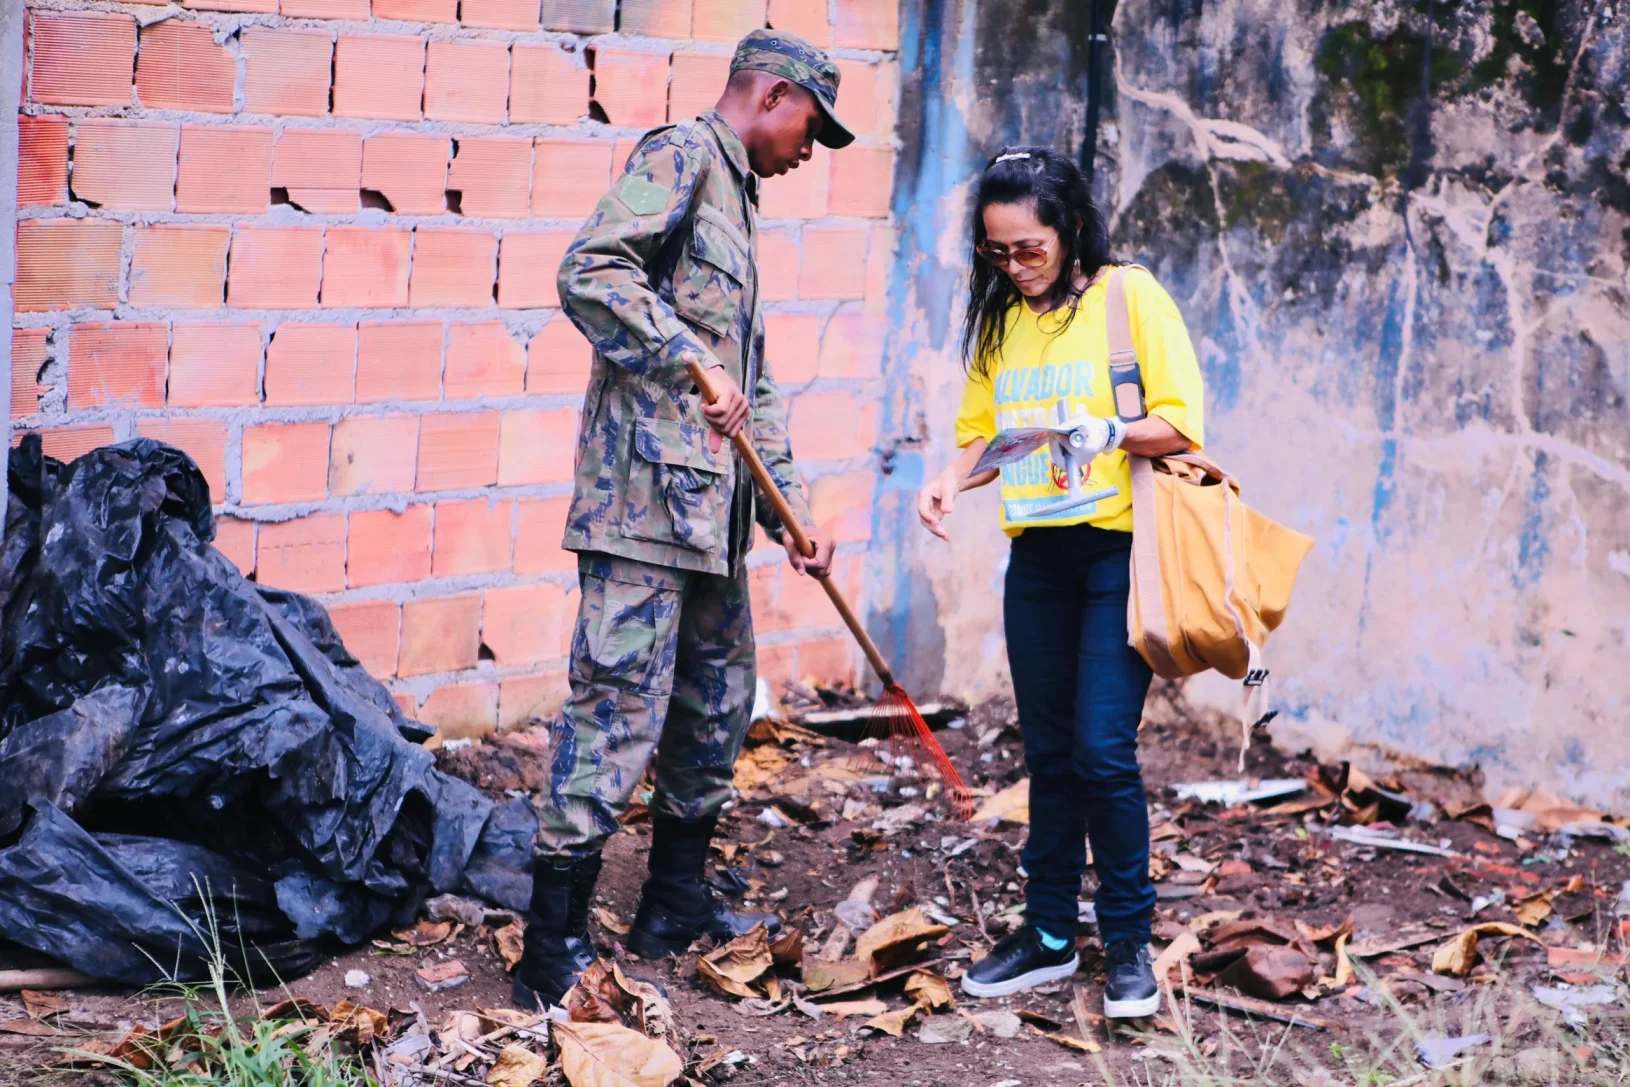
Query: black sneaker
[
  {"x": 1021, "y": 961},
  {"x": 1131, "y": 992}
]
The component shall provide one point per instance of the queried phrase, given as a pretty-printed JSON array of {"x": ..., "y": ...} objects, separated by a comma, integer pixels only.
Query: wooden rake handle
[{"x": 806, "y": 547}]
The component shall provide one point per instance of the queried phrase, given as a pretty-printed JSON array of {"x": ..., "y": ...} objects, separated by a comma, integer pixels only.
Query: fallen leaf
[
  {"x": 30, "y": 1027},
  {"x": 425, "y": 933},
  {"x": 788, "y": 948},
  {"x": 1457, "y": 957},
  {"x": 518, "y": 1066},
  {"x": 1271, "y": 973},
  {"x": 359, "y": 1025},
  {"x": 1176, "y": 953},
  {"x": 893, "y": 1023},
  {"x": 1344, "y": 966},
  {"x": 507, "y": 941},
  {"x": 1011, "y": 805},
  {"x": 41, "y": 1004},
  {"x": 729, "y": 969},
  {"x": 897, "y": 939},
  {"x": 930, "y": 990},
  {"x": 608, "y": 1055},
  {"x": 296, "y": 1008},
  {"x": 1069, "y": 1041},
  {"x": 820, "y": 975},
  {"x": 1533, "y": 910},
  {"x": 611, "y": 922},
  {"x": 843, "y": 1009},
  {"x": 603, "y": 994}
]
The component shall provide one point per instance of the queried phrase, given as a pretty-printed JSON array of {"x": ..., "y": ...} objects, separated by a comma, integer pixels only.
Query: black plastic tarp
[{"x": 187, "y": 758}]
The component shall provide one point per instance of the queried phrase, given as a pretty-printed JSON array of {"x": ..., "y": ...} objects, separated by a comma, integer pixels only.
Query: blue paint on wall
[{"x": 1533, "y": 546}]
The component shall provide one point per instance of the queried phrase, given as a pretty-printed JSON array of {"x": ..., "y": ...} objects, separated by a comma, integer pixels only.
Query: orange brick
[
  {"x": 827, "y": 660},
  {"x": 540, "y": 525},
  {"x": 287, "y": 71},
  {"x": 472, "y": 537},
  {"x": 832, "y": 426},
  {"x": 204, "y": 440},
  {"x": 467, "y": 81},
  {"x": 807, "y": 20},
  {"x": 214, "y": 365},
  {"x": 521, "y": 624},
  {"x": 399, "y": 360},
  {"x": 791, "y": 346},
  {"x": 867, "y": 24},
  {"x": 492, "y": 176},
  {"x": 125, "y": 165},
  {"x": 371, "y": 631},
  {"x": 62, "y": 263},
  {"x": 483, "y": 360},
  {"x": 311, "y": 364},
  {"x": 853, "y": 344},
  {"x": 354, "y": 10},
  {"x": 558, "y": 360},
  {"x": 409, "y": 171},
  {"x": 285, "y": 462},
  {"x": 632, "y": 88},
  {"x": 866, "y": 98},
  {"x": 570, "y": 177},
  {"x": 68, "y": 444},
  {"x": 417, "y": 11},
  {"x": 42, "y": 173},
  {"x": 726, "y": 20},
  {"x": 547, "y": 85},
  {"x": 442, "y": 634},
  {"x": 453, "y": 267},
  {"x": 180, "y": 266},
  {"x": 802, "y": 602},
  {"x": 580, "y": 16},
  {"x": 531, "y": 699},
  {"x": 321, "y": 169},
  {"x": 500, "y": 14},
  {"x": 366, "y": 267},
  {"x": 82, "y": 59},
  {"x": 461, "y": 710},
  {"x": 224, "y": 169},
  {"x": 537, "y": 446},
  {"x": 862, "y": 181},
  {"x": 275, "y": 267},
  {"x": 264, "y": 7},
  {"x": 698, "y": 80},
  {"x": 800, "y": 193},
  {"x": 778, "y": 260},
  {"x": 117, "y": 364},
  {"x": 658, "y": 18},
  {"x": 236, "y": 540},
  {"x": 842, "y": 505},
  {"x": 373, "y": 454},
  {"x": 834, "y": 263},
  {"x": 29, "y": 353},
  {"x": 181, "y": 67},
  {"x": 409, "y": 705},
  {"x": 379, "y": 76},
  {"x": 527, "y": 268},
  {"x": 306, "y": 555},
  {"x": 389, "y": 547},
  {"x": 777, "y": 665},
  {"x": 458, "y": 451}
]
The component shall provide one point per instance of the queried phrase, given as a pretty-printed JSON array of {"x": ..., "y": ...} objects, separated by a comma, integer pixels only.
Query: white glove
[{"x": 1094, "y": 436}]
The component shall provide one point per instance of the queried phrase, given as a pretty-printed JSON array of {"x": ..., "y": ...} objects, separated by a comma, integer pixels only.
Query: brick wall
[{"x": 313, "y": 243}]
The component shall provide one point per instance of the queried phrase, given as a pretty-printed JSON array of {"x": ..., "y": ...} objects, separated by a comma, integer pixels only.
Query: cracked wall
[{"x": 1413, "y": 326}]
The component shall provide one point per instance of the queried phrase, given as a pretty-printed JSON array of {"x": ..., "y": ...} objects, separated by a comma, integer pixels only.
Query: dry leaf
[
  {"x": 893, "y": 1023},
  {"x": 788, "y": 948},
  {"x": 507, "y": 941},
  {"x": 359, "y": 1025},
  {"x": 611, "y": 922},
  {"x": 896, "y": 940},
  {"x": 1533, "y": 910},
  {"x": 518, "y": 1066},
  {"x": 1176, "y": 953},
  {"x": 930, "y": 990},
  {"x": 1069, "y": 1041},
  {"x": 843, "y": 1009},
  {"x": 34, "y": 1028},
  {"x": 1457, "y": 957},
  {"x": 820, "y": 975},
  {"x": 425, "y": 933},
  {"x": 607, "y": 1055},
  {"x": 729, "y": 969},
  {"x": 1011, "y": 805},
  {"x": 603, "y": 994},
  {"x": 41, "y": 1004}
]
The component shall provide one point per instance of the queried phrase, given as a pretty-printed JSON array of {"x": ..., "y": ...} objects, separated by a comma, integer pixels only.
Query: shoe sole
[
  {"x": 1022, "y": 982},
  {"x": 1131, "y": 1009}
]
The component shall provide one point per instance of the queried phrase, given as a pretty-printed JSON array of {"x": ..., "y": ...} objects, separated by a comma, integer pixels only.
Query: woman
[{"x": 1035, "y": 335}]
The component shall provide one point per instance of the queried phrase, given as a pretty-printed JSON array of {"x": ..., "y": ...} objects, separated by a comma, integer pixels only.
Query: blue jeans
[{"x": 1080, "y": 691}]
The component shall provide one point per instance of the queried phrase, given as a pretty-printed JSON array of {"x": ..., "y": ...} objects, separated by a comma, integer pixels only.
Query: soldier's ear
[{"x": 777, "y": 94}]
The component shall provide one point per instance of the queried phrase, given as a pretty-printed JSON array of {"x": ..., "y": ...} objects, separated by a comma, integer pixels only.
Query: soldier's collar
[{"x": 734, "y": 149}]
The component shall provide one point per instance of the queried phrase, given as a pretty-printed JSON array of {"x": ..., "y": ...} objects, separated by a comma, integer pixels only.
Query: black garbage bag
[{"x": 189, "y": 760}]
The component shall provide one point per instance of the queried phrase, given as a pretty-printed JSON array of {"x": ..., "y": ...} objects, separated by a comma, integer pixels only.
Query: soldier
[{"x": 662, "y": 664}]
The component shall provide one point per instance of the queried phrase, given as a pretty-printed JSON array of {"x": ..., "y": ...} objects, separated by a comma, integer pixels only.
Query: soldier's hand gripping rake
[{"x": 897, "y": 721}]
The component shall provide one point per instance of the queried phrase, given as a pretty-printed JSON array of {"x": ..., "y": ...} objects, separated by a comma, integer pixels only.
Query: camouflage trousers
[{"x": 662, "y": 665}]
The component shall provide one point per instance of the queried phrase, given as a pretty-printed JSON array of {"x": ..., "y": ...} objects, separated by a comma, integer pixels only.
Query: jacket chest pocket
[
  {"x": 676, "y": 487},
  {"x": 709, "y": 284}
]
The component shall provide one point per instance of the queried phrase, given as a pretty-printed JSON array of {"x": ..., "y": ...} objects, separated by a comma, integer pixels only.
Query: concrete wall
[
  {"x": 313, "y": 243},
  {"x": 1413, "y": 327}
]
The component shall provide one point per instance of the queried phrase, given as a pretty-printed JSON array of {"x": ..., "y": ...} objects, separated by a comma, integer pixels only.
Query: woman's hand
[{"x": 938, "y": 499}]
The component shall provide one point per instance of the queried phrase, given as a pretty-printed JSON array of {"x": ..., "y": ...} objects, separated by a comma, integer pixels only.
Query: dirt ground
[{"x": 1260, "y": 862}]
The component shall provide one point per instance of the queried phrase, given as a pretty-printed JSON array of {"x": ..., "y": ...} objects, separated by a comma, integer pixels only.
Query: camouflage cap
[{"x": 794, "y": 59}]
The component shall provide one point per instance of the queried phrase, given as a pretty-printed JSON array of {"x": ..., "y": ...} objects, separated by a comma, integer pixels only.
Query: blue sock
[{"x": 1051, "y": 942}]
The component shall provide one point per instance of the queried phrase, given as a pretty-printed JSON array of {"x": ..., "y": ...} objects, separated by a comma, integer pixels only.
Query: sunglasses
[{"x": 1030, "y": 256}]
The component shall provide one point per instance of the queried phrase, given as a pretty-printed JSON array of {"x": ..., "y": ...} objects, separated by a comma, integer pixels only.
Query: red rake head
[{"x": 902, "y": 729}]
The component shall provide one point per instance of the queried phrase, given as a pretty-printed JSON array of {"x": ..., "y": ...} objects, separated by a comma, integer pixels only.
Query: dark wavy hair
[{"x": 1056, "y": 188}]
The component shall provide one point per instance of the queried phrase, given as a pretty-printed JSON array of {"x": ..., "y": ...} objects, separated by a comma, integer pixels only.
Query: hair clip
[{"x": 1011, "y": 155}]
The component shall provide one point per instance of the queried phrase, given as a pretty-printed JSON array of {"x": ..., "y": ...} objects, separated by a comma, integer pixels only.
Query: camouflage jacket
[{"x": 668, "y": 264}]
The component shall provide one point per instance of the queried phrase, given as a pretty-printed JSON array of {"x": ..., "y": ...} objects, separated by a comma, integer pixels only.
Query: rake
[{"x": 895, "y": 719}]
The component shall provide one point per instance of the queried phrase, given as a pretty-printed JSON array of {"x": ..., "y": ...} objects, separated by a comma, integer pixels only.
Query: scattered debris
[
  {"x": 357, "y": 979},
  {"x": 1459, "y": 955},
  {"x": 1436, "y": 1051},
  {"x": 1571, "y": 1002},
  {"x": 443, "y": 975},
  {"x": 1230, "y": 793},
  {"x": 1383, "y": 839}
]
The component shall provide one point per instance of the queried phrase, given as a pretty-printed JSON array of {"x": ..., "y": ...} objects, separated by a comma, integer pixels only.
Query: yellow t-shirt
[{"x": 1043, "y": 360}]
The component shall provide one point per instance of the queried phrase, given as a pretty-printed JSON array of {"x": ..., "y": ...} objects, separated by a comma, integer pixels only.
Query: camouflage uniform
[{"x": 662, "y": 656}]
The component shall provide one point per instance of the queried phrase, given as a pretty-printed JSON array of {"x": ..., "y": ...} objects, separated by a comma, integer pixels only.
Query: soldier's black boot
[
  {"x": 556, "y": 946},
  {"x": 676, "y": 904}
]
